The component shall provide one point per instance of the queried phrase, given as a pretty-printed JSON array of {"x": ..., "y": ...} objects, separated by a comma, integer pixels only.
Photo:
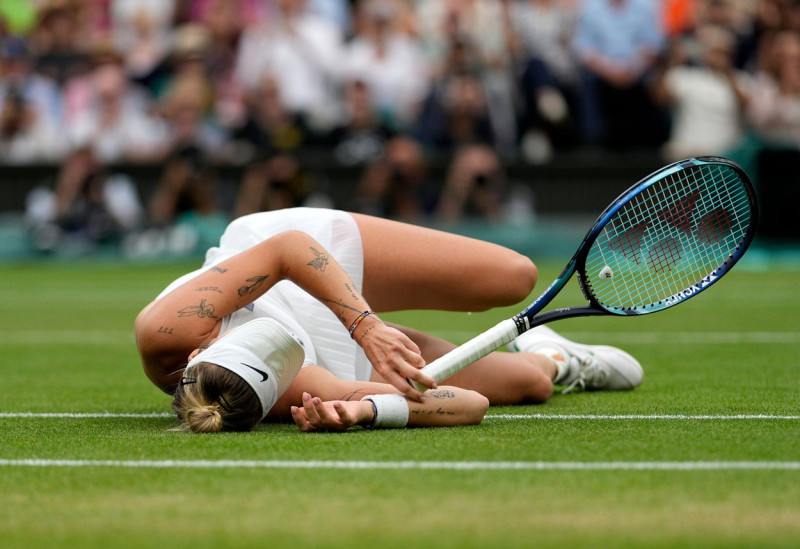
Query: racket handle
[{"x": 474, "y": 349}]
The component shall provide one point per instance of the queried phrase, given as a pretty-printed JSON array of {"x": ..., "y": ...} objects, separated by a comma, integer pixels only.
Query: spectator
[
  {"x": 269, "y": 126},
  {"x": 708, "y": 97},
  {"x": 617, "y": 43},
  {"x": 272, "y": 184},
  {"x": 39, "y": 92},
  {"x": 389, "y": 62},
  {"x": 473, "y": 36},
  {"x": 456, "y": 113},
  {"x": 59, "y": 40},
  {"x": 735, "y": 16},
  {"x": 541, "y": 42},
  {"x": 474, "y": 186},
  {"x": 224, "y": 22},
  {"x": 25, "y": 136},
  {"x": 187, "y": 196},
  {"x": 109, "y": 115},
  {"x": 303, "y": 53},
  {"x": 361, "y": 136},
  {"x": 774, "y": 111},
  {"x": 89, "y": 207},
  {"x": 186, "y": 107},
  {"x": 187, "y": 190},
  {"x": 396, "y": 185},
  {"x": 143, "y": 33}
]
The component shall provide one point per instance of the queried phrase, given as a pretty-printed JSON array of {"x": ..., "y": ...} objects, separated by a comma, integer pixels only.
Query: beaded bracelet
[{"x": 358, "y": 320}]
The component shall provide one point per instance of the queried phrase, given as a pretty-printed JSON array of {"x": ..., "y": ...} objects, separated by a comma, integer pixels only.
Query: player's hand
[
  {"x": 337, "y": 415},
  {"x": 396, "y": 358}
]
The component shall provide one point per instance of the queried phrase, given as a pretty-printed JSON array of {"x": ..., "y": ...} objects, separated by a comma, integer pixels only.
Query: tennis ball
[{"x": 606, "y": 272}]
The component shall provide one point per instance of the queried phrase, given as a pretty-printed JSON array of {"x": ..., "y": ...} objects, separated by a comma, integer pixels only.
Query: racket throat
[{"x": 522, "y": 323}]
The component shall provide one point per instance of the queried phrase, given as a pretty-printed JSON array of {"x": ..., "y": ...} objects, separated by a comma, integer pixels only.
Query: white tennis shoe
[{"x": 590, "y": 367}]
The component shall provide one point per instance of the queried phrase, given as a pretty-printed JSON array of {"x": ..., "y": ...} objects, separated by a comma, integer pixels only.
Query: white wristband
[{"x": 391, "y": 411}]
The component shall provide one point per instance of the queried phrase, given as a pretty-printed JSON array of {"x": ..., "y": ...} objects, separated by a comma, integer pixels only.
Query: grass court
[{"x": 706, "y": 453}]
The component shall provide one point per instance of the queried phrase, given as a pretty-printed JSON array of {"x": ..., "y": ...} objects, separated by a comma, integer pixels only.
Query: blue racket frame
[
  {"x": 524, "y": 319},
  {"x": 507, "y": 330}
]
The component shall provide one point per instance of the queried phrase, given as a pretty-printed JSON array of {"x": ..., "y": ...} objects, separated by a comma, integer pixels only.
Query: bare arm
[
  {"x": 337, "y": 405},
  {"x": 175, "y": 325}
]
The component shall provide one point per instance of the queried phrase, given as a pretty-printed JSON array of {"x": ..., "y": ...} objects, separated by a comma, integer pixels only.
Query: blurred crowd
[{"x": 384, "y": 85}]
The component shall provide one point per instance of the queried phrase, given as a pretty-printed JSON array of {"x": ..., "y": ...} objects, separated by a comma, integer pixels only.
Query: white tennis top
[{"x": 324, "y": 338}]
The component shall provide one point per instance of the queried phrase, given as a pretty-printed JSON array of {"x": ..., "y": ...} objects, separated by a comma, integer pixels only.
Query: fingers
[
  {"x": 409, "y": 372},
  {"x": 301, "y": 420},
  {"x": 316, "y": 415},
  {"x": 403, "y": 383},
  {"x": 344, "y": 414}
]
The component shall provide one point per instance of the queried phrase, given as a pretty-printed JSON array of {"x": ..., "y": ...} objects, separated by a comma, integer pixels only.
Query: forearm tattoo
[
  {"x": 320, "y": 260},
  {"x": 343, "y": 306},
  {"x": 218, "y": 269},
  {"x": 203, "y": 310},
  {"x": 255, "y": 282},
  {"x": 442, "y": 393},
  {"x": 355, "y": 395},
  {"x": 438, "y": 412},
  {"x": 438, "y": 394}
]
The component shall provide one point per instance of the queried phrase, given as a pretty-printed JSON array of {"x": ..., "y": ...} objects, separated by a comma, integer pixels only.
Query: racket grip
[{"x": 474, "y": 349}]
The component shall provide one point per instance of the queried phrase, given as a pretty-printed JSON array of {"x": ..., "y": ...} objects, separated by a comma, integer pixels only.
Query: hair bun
[{"x": 205, "y": 419}]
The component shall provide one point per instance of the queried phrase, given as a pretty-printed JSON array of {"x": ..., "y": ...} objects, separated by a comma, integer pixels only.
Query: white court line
[
  {"x": 113, "y": 415},
  {"x": 650, "y": 338},
  {"x": 82, "y": 415},
  {"x": 637, "y": 416},
  {"x": 67, "y": 337},
  {"x": 440, "y": 465},
  {"x": 124, "y": 337}
]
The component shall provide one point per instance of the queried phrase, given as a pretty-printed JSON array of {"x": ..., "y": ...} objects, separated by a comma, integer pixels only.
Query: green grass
[{"x": 67, "y": 346}]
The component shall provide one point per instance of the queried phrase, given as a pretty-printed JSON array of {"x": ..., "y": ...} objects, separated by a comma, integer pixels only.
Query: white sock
[{"x": 558, "y": 358}]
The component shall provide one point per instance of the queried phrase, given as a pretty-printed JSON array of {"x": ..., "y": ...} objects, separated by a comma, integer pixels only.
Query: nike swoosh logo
[{"x": 264, "y": 375}]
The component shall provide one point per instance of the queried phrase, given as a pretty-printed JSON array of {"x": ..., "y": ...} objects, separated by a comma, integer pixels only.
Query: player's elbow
[{"x": 475, "y": 408}]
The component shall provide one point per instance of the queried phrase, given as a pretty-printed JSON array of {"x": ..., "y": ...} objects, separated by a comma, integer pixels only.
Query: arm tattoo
[
  {"x": 442, "y": 393},
  {"x": 438, "y": 412},
  {"x": 164, "y": 330},
  {"x": 218, "y": 269},
  {"x": 362, "y": 336},
  {"x": 355, "y": 395},
  {"x": 202, "y": 310},
  {"x": 320, "y": 260},
  {"x": 353, "y": 293},
  {"x": 340, "y": 304},
  {"x": 255, "y": 282},
  {"x": 208, "y": 289}
]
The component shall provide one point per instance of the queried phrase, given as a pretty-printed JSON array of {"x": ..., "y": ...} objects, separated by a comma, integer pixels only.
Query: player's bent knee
[
  {"x": 540, "y": 389},
  {"x": 521, "y": 276}
]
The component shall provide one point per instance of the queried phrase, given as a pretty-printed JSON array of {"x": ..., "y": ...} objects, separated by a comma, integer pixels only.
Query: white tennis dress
[{"x": 324, "y": 338}]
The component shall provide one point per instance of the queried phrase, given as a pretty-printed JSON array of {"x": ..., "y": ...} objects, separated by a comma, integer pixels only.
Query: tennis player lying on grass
[{"x": 285, "y": 308}]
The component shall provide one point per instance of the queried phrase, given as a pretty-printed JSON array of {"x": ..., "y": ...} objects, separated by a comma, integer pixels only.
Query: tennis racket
[{"x": 664, "y": 240}]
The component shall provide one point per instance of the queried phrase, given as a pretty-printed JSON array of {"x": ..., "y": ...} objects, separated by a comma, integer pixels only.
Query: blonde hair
[{"x": 210, "y": 399}]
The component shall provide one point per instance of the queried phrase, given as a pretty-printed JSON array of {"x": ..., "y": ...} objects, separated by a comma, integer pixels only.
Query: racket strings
[{"x": 670, "y": 237}]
